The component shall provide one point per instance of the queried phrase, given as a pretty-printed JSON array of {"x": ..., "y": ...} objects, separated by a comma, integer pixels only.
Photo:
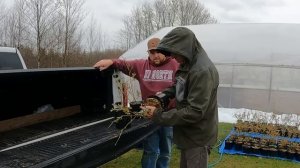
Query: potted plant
[
  {"x": 291, "y": 152},
  {"x": 229, "y": 143},
  {"x": 297, "y": 154},
  {"x": 256, "y": 149},
  {"x": 239, "y": 142},
  {"x": 246, "y": 148},
  {"x": 135, "y": 106}
]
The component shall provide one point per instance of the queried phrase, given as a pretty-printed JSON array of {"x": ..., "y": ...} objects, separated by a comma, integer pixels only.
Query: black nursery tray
[{"x": 232, "y": 148}]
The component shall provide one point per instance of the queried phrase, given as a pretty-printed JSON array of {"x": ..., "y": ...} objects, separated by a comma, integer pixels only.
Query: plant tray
[{"x": 277, "y": 153}]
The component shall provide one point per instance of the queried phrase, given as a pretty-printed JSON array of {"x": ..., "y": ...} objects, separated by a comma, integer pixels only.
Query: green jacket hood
[{"x": 181, "y": 41}]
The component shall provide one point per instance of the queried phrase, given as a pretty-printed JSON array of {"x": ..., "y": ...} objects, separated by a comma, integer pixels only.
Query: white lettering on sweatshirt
[{"x": 158, "y": 75}]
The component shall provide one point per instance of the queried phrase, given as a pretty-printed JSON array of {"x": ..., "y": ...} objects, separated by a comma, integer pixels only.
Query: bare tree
[
  {"x": 73, "y": 15},
  {"x": 56, "y": 38},
  {"x": 193, "y": 12},
  {"x": 39, "y": 15},
  {"x": 95, "y": 37},
  {"x": 138, "y": 26},
  {"x": 2, "y": 23},
  {"x": 16, "y": 25},
  {"x": 165, "y": 13},
  {"x": 21, "y": 27},
  {"x": 91, "y": 34},
  {"x": 125, "y": 39},
  {"x": 148, "y": 18},
  {"x": 11, "y": 28},
  {"x": 101, "y": 39},
  {"x": 57, "y": 31},
  {"x": 2, "y": 11},
  {"x": 50, "y": 32},
  {"x": 137, "y": 20}
]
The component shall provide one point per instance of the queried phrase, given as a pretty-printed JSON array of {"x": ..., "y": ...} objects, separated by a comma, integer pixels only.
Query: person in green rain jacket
[{"x": 195, "y": 118}]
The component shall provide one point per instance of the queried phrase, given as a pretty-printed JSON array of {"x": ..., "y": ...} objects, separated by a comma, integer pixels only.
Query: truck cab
[{"x": 11, "y": 58}]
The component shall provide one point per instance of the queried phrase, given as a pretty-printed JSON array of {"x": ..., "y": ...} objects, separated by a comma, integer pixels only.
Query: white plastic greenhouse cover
[
  {"x": 259, "y": 64},
  {"x": 273, "y": 44}
]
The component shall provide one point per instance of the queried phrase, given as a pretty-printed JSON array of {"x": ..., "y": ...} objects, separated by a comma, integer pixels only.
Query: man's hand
[
  {"x": 148, "y": 111},
  {"x": 103, "y": 64}
]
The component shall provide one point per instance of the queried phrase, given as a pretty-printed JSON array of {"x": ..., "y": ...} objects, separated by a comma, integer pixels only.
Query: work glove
[{"x": 160, "y": 100}]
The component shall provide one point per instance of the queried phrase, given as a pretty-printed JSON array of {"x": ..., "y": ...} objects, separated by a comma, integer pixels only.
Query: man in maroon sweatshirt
[{"x": 154, "y": 75}]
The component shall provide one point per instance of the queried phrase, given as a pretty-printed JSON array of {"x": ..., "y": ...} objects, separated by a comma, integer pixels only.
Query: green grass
[{"x": 132, "y": 158}]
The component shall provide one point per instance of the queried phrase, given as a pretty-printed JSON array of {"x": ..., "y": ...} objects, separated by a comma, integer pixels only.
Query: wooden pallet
[{"x": 23, "y": 121}]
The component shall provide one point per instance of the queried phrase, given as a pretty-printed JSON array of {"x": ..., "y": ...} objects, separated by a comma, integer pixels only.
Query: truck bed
[
  {"x": 74, "y": 131},
  {"x": 77, "y": 141}
]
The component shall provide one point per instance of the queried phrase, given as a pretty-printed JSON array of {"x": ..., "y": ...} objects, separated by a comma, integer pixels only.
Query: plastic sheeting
[
  {"x": 272, "y": 44},
  {"x": 259, "y": 64}
]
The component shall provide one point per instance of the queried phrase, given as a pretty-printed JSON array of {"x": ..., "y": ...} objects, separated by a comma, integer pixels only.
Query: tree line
[
  {"x": 52, "y": 33},
  {"x": 148, "y": 18}
]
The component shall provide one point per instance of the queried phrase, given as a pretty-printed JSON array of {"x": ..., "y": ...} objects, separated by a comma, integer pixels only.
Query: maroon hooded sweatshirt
[{"x": 152, "y": 78}]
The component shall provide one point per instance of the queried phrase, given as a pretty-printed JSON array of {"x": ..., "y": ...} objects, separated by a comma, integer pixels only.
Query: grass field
[{"x": 132, "y": 158}]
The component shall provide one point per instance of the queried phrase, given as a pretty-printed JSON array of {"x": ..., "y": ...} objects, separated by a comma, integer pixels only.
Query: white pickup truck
[{"x": 11, "y": 58}]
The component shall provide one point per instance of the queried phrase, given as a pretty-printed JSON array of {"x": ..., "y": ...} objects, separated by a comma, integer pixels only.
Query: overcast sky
[{"x": 109, "y": 13}]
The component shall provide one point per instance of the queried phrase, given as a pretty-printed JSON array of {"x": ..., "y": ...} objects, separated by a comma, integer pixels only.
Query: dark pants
[{"x": 194, "y": 157}]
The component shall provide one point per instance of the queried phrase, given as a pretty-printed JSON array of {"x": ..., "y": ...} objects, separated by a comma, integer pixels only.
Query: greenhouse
[{"x": 258, "y": 64}]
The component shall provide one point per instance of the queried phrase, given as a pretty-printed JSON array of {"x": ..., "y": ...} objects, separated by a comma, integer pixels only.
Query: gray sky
[
  {"x": 109, "y": 13},
  {"x": 255, "y": 11}
]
